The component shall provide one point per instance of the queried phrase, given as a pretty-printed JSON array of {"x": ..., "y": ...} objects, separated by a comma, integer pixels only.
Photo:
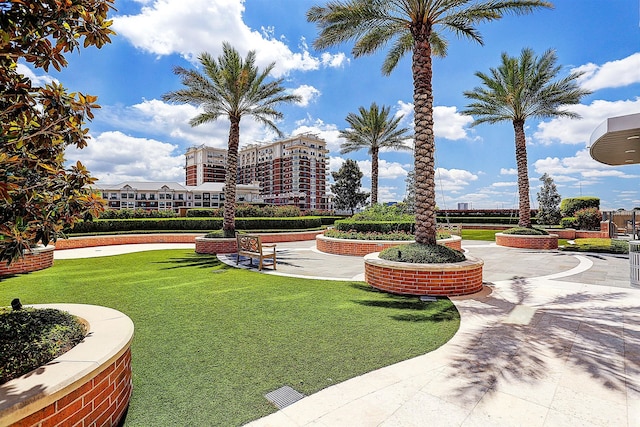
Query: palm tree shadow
[
  {"x": 193, "y": 260},
  {"x": 522, "y": 340}
]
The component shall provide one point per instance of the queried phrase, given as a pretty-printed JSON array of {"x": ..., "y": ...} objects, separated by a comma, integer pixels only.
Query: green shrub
[
  {"x": 136, "y": 213},
  {"x": 205, "y": 213},
  {"x": 419, "y": 253},
  {"x": 31, "y": 337},
  {"x": 376, "y": 226},
  {"x": 523, "y": 231},
  {"x": 569, "y": 206},
  {"x": 569, "y": 222},
  {"x": 588, "y": 219},
  {"x": 379, "y": 212}
]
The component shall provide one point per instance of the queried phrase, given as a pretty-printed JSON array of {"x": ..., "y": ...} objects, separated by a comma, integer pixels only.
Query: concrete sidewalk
[{"x": 552, "y": 340}]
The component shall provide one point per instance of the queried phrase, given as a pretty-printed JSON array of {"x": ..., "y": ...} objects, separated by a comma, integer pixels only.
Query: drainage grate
[
  {"x": 428, "y": 298},
  {"x": 283, "y": 397}
]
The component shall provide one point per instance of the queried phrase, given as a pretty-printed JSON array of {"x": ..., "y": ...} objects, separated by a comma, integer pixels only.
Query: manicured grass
[
  {"x": 479, "y": 234},
  {"x": 210, "y": 340},
  {"x": 598, "y": 245}
]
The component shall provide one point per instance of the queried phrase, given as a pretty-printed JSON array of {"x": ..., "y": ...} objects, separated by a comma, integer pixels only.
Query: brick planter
[
  {"x": 88, "y": 385},
  {"x": 353, "y": 247},
  {"x": 448, "y": 279},
  {"x": 36, "y": 259},
  {"x": 228, "y": 246},
  {"x": 549, "y": 241}
]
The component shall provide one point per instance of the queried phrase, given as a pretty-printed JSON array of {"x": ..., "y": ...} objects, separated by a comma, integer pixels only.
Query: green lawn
[
  {"x": 210, "y": 340},
  {"x": 479, "y": 234}
]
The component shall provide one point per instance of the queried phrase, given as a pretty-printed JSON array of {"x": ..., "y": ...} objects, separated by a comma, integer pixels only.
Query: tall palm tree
[
  {"x": 231, "y": 87},
  {"x": 373, "y": 129},
  {"x": 412, "y": 26},
  {"x": 522, "y": 88}
]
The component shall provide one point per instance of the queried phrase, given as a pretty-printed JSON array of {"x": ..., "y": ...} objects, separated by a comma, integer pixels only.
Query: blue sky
[{"x": 137, "y": 136}]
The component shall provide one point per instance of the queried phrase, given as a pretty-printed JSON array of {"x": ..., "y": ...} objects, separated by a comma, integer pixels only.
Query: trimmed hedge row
[
  {"x": 376, "y": 226},
  {"x": 195, "y": 224}
]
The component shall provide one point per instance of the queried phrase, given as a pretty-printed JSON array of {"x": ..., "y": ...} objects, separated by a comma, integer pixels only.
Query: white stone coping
[
  {"x": 469, "y": 263},
  {"x": 110, "y": 334},
  {"x": 528, "y": 236}
]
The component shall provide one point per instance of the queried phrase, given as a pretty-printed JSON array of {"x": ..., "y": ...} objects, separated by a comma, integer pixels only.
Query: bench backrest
[{"x": 249, "y": 243}]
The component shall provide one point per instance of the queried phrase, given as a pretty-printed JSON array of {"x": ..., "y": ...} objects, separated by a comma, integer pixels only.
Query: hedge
[
  {"x": 375, "y": 226},
  {"x": 194, "y": 224},
  {"x": 569, "y": 206}
]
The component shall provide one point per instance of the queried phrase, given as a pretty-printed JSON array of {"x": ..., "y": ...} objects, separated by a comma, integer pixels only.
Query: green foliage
[
  {"x": 136, "y": 213},
  {"x": 31, "y": 337},
  {"x": 376, "y": 226},
  {"x": 598, "y": 245},
  {"x": 569, "y": 206},
  {"x": 373, "y": 235},
  {"x": 410, "y": 196},
  {"x": 569, "y": 222},
  {"x": 39, "y": 196},
  {"x": 524, "y": 231},
  {"x": 418, "y": 253},
  {"x": 346, "y": 190},
  {"x": 549, "y": 202},
  {"x": 254, "y": 211},
  {"x": 379, "y": 212},
  {"x": 588, "y": 219},
  {"x": 204, "y": 213}
]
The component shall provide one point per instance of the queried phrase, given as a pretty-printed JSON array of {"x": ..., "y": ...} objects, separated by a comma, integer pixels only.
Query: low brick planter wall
[
  {"x": 449, "y": 279},
  {"x": 549, "y": 241},
  {"x": 570, "y": 234},
  {"x": 125, "y": 239},
  {"x": 352, "y": 247},
  {"x": 34, "y": 260},
  {"x": 206, "y": 245},
  {"x": 88, "y": 385}
]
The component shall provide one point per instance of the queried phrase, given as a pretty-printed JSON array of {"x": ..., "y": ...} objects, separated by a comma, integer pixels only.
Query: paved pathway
[{"x": 552, "y": 340}]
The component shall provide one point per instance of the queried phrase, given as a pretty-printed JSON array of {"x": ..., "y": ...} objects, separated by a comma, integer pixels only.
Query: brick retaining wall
[
  {"x": 450, "y": 279},
  {"x": 351, "y": 247},
  {"x": 37, "y": 259},
  {"x": 228, "y": 246},
  {"x": 527, "y": 242},
  {"x": 125, "y": 239}
]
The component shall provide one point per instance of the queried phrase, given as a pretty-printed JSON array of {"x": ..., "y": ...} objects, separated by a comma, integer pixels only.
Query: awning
[{"x": 617, "y": 141}]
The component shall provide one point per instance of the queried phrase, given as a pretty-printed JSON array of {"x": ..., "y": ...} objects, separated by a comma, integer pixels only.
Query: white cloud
[
  {"x": 453, "y": 179},
  {"x": 504, "y": 184},
  {"x": 386, "y": 170},
  {"x": 622, "y": 72},
  {"x": 328, "y": 132},
  {"x": 510, "y": 171},
  {"x": 578, "y": 131},
  {"x": 41, "y": 80},
  {"x": 581, "y": 164},
  {"x": 307, "y": 93},
  {"x": 114, "y": 157},
  {"x": 190, "y": 27},
  {"x": 448, "y": 123}
]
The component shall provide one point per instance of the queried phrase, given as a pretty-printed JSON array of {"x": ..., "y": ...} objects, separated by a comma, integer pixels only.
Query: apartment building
[
  {"x": 292, "y": 171},
  {"x": 172, "y": 195},
  {"x": 205, "y": 164}
]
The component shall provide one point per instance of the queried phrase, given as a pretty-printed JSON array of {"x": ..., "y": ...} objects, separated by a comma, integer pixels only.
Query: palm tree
[
  {"x": 522, "y": 88},
  {"x": 412, "y": 26},
  {"x": 373, "y": 129},
  {"x": 233, "y": 88}
]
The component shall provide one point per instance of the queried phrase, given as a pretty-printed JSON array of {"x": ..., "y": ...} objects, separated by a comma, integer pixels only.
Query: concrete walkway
[{"x": 552, "y": 340}]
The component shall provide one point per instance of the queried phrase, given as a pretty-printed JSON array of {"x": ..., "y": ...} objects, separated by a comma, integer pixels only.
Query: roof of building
[
  {"x": 617, "y": 141},
  {"x": 143, "y": 186}
]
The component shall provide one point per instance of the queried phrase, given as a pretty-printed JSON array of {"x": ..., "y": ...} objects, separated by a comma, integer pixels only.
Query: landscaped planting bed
[{"x": 362, "y": 247}]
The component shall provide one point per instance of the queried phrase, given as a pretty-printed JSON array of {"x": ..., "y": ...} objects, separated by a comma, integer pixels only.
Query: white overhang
[{"x": 617, "y": 141}]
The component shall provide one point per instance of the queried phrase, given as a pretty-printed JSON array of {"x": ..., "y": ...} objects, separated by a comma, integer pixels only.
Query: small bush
[
  {"x": 376, "y": 226},
  {"x": 419, "y": 253},
  {"x": 569, "y": 206},
  {"x": 523, "y": 231},
  {"x": 569, "y": 222},
  {"x": 380, "y": 212},
  {"x": 31, "y": 337},
  {"x": 588, "y": 219}
]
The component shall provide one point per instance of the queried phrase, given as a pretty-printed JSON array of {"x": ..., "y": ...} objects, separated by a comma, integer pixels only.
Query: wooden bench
[{"x": 251, "y": 246}]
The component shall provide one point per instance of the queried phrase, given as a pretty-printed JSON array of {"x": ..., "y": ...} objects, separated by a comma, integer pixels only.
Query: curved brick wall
[
  {"x": 124, "y": 239},
  {"x": 527, "y": 242},
  {"x": 351, "y": 247},
  {"x": 452, "y": 279},
  {"x": 37, "y": 259},
  {"x": 89, "y": 385},
  {"x": 228, "y": 246}
]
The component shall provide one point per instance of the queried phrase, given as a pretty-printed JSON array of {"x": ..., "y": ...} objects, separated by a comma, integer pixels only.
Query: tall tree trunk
[
  {"x": 374, "y": 175},
  {"x": 523, "y": 174},
  {"x": 229, "y": 222},
  {"x": 425, "y": 199}
]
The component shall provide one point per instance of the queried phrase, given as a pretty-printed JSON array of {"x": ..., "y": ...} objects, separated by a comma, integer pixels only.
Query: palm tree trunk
[
  {"x": 229, "y": 223},
  {"x": 425, "y": 200},
  {"x": 523, "y": 174},
  {"x": 374, "y": 176}
]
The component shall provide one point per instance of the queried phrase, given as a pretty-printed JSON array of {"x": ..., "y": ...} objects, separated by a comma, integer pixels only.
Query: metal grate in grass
[{"x": 284, "y": 396}]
